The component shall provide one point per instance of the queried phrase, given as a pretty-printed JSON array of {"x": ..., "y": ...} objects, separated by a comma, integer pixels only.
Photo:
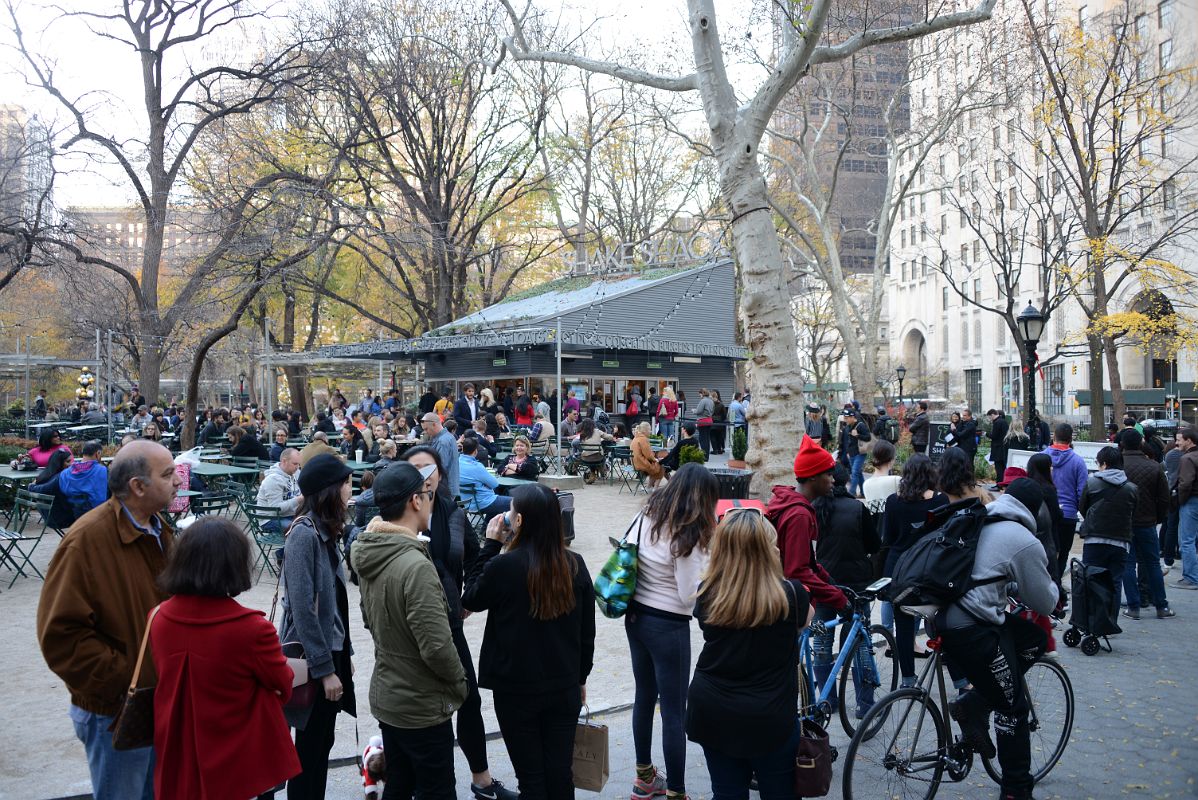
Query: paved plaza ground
[{"x": 1135, "y": 734}]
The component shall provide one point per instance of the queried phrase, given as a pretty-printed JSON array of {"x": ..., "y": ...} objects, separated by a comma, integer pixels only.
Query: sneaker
[
  {"x": 1184, "y": 584},
  {"x": 654, "y": 788},
  {"x": 1165, "y": 568},
  {"x": 1131, "y": 613},
  {"x": 1165, "y": 613},
  {"x": 975, "y": 724},
  {"x": 496, "y": 791}
]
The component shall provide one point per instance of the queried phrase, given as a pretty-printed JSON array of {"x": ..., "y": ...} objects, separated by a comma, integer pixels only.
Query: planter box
[{"x": 734, "y": 483}]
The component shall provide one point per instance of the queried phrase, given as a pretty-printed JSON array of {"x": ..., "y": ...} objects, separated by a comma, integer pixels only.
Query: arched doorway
[
  {"x": 1152, "y": 362},
  {"x": 915, "y": 358}
]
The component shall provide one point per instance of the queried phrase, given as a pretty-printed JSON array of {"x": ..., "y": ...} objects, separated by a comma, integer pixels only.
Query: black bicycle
[{"x": 902, "y": 748}]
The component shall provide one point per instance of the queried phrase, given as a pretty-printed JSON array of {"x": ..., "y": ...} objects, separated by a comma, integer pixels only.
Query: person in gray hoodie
[
  {"x": 995, "y": 648},
  {"x": 280, "y": 489}
]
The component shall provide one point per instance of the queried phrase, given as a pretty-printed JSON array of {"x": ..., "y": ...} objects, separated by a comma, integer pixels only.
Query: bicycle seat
[{"x": 925, "y": 612}]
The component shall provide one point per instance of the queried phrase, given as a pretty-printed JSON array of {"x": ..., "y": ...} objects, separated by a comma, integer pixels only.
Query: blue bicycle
[{"x": 873, "y": 671}]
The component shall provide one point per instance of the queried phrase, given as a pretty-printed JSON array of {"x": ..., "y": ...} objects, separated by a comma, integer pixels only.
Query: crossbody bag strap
[
  {"x": 274, "y": 601},
  {"x": 141, "y": 653}
]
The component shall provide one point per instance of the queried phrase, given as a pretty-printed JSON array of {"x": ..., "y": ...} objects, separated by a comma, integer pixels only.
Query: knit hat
[
  {"x": 1027, "y": 492},
  {"x": 812, "y": 459},
  {"x": 321, "y": 472},
  {"x": 1011, "y": 474},
  {"x": 398, "y": 482}
]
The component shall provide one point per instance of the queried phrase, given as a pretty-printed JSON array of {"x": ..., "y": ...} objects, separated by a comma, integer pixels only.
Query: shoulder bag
[
  {"x": 133, "y": 726},
  {"x": 615, "y": 584},
  {"x": 304, "y": 690}
]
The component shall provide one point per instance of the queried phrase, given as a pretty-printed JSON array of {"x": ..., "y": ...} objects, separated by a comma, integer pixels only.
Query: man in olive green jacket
[{"x": 418, "y": 681}]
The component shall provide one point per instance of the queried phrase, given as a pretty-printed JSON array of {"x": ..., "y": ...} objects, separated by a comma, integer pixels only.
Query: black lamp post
[
  {"x": 1031, "y": 325},
  {"x": 901, "y": 372},
  {"x": 240, "y": 386}
]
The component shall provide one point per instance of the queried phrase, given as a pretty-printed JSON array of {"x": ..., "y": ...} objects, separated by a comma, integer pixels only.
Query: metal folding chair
[
  {"x": 13, "y": 540},
  {"x": 267, "y": 540}
]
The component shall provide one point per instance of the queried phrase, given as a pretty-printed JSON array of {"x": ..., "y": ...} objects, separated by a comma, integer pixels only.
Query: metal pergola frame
[{"x": 21, "y": 364}]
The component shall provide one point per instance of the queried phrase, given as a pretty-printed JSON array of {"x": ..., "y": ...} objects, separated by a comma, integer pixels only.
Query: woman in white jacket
[{"x": 673, "y": 534}]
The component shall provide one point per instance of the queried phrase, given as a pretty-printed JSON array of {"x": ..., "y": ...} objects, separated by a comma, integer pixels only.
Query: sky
[{"x": 105, "y": 74}]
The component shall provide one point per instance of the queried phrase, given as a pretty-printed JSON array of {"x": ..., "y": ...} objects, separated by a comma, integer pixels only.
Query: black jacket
[
  {"x": 427, "y": 401},
  {"x": 522, "y": 654},
  {"x": 967, "y": 436},
  {"x": 249, "y": 447},
  {"x": 461, "y": 413},
  {"x": 1108, "y": 506},
  {"x": 1152, "y": 506},
  {"x": 997, "y": 435},
  {"x": 920, "y": 427},
  {"x": 851, "y": 445},
  {"x": 847, "y": 537},
  {"x": 453, "y": 551}
]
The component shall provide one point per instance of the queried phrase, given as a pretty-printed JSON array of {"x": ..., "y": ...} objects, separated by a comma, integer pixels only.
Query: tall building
[
  {"x": 119, "y": 234},
  {"x": 993, "y": 208},
  {"x": 25, "y": 167}
]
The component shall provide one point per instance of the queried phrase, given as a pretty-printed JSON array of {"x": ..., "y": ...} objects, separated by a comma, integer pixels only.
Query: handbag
[
  {"x": 591, "y": 766},
  {"x": 304, "y": 690},
  {"x": 813, "y": 761},
  {"x": 615, "y": 584},
  {"x": 704, "y": 422},
  {"x": 133, "y": 726}
]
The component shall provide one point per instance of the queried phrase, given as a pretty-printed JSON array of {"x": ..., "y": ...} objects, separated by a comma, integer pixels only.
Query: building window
[
  {"x": 1010, "y": 131},
  {"x": 925, "y": 266},
  {"x": 1169, "y": 195},
  {"x": 994, "y": 135},
  {"x": 973, "y": 389},
  {"x": 977, "y": 295},
  {"x": 1165, "y": 49},
  {"x": 943, "y": 224},
  {"x": 964, "y": 334},
  {"x": 1054, "y": 390},
  {"x": 944, "y": 298},
  {"x": 1164, "y": 13},
  {"x": 964, "y": 254},
  {"x": 977, "y": 251},
  {"x": 903, "y": 238},
  {"x": 1142, "y": 27},
  {"x": 1012, "y": 387}
]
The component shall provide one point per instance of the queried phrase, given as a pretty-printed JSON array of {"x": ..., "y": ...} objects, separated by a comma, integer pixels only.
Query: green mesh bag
[{"x": 616, "y": 583}]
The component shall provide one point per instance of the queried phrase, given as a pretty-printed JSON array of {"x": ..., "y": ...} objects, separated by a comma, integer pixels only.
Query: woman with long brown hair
[
  {"x": 673, "y": 533},
  {"x": 539, "y": 643},
  {"x": 743, "y": 703}
]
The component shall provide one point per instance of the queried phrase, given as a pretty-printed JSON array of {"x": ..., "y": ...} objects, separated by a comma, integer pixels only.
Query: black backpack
[
  {"x": 891, "y": 431},
  {"x": 937, "y": 569}
]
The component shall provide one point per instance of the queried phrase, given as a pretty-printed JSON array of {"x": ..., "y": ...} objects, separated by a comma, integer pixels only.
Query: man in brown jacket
[
  {"x": 318, "y": 445},
  {"x": 1152, "y": 508},
  {"x": 1187, "y": 498},
  {"x": 99, "y": 589}
]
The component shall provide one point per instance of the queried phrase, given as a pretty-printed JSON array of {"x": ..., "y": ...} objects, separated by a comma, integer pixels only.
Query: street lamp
[
  {"x": 1031, "y": 325},
  {"x": 240, "y": 386},
  {"x": 901, "y": 372}
]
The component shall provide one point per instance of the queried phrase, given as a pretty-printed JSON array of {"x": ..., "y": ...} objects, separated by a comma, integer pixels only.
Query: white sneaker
[{"x": 1165, "y": 569}]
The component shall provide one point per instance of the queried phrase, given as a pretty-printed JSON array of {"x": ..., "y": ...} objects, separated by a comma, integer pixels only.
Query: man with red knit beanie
[{"x": 793, "y": 516}]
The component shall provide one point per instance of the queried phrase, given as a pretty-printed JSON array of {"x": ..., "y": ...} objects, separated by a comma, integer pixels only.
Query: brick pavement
[{"x": 1134, "y": 734}]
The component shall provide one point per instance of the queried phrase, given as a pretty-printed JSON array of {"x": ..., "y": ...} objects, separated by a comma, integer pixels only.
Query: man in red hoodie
[{"x": 791, "y": 513}]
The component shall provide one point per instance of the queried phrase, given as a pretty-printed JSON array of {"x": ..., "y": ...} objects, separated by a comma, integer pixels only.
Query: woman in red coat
[{"x": 219, "y": 732}]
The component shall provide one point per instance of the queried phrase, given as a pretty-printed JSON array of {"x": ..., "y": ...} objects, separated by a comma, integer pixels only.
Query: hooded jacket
[
  {"x": 1069, "y": 476},
  {"x": 418, "y": 679},
  {"x": 280, "y": 490},
  {"x": 219, "y": 730},
  {"x": 85, "y": 485},
  {"x": 1187, "y": 477},
  {"x": 1006, "y": 548},
  {"x": 794, "y": 519},
  {"x": 1108, "y": 505}
]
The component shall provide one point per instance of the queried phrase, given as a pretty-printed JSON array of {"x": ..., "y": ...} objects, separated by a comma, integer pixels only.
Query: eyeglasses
[{"x": 750, "y": 509}]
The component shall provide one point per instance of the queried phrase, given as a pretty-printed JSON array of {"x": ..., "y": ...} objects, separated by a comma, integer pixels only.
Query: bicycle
[
  {"x": 882, "y": 674},
  {"x": 902, "y": 746}
]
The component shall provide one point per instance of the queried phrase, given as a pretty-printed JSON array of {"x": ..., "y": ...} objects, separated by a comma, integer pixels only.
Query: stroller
[{"x": 1095, "y": 604}]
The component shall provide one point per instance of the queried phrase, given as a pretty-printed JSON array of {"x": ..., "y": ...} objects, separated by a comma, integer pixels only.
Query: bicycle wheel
[
  {"x": 881, "y": 643},
  {"x": 902, "y": 757},
  {"x": 1050, "y": 695}
]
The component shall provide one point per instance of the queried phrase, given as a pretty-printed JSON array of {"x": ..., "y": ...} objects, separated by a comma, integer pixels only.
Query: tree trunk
[
  {"x": 150, "y": 369},
  {"x": 1118, "y": 404},
  {"x": 1097, "y": 395}
]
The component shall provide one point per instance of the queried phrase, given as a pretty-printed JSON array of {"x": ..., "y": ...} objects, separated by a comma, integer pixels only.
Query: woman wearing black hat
[{"x": 316, "y": 615}]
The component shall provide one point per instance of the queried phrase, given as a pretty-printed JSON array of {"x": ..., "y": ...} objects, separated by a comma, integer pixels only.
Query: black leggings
[
  {"x": 312, "y": 745},
  {"x": 472, "y": 734}
]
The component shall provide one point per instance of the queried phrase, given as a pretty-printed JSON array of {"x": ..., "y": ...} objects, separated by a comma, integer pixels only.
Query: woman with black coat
[
  {"x": 719, "y": 423},
  {"x": 539, "y": 644}
]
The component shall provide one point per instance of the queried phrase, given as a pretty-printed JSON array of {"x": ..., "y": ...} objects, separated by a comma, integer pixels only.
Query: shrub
[
  {"x": 740, "y": 444},
  {"x": 689, "y": 453}
]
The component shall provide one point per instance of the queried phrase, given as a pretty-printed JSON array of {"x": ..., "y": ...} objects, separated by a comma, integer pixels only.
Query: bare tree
[
  {"x": 736, "y": 126},
  {"x": 820, "y": 342},
  {"x": 178, "y": 108},
  {"x": 1113, "y": 110}
]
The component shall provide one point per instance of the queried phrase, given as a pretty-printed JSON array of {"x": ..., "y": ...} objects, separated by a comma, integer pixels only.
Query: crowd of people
[{"x": 225, "y": 721}]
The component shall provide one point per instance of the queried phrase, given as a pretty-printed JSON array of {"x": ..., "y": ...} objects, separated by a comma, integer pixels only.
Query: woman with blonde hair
[
  {"x": 667, "y": 413},
  {"x": 643, "y": 458},
  {"x": 743, "y": 702}
]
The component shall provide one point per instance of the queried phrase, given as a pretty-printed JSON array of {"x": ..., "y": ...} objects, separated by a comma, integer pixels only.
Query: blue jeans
[
  {"x": 115, "y": 774},
  {"x": 1146, "y": 555},
  {"x": 856, "y": 476},
  {"x": 661, "y": 664},
  {"x": 666, "y": 428},
  {"x": 501, "y": 504},
  {"x": 1188, "y": 539},
  {"x": 730, "y": 776}
]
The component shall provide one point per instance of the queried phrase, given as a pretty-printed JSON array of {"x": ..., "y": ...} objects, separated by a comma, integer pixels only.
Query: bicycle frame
[{"x": 823, "y": 693}]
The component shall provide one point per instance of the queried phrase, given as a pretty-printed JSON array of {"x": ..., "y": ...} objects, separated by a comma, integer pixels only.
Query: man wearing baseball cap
[
  {"x": 418, "y": 680},
  {"x": 816, "y": 425},
  {"x": 793, "y": 516}
]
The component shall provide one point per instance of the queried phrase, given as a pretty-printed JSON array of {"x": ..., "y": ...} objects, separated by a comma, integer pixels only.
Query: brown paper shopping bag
[{"x": 591, "y": 766}]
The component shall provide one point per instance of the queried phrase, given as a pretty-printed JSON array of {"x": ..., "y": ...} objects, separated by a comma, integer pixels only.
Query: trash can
[
  {"x": 734, "y": 483},
  {"x": 566, "y": 499}
]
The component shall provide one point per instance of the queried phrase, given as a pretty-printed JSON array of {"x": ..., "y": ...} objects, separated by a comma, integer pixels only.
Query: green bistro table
[
  {"x": 507, "y": 483},
  {"x": 17, "y": 478},
  {"x": 209, "y": 470},
  {"x": 359, "y": 466}
]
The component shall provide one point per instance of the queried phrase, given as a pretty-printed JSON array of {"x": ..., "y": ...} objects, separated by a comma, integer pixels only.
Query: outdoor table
[
  {"x": 208, "y": 470},
  {"x": 210, "y": 457},
  {"x": 40, "y": 425},
  {"x": 507, "y": 483},
  {"x": 80, "y": 430},
  {"x": 359, "y": 466},
  {"x": 17, "y": 477}
]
